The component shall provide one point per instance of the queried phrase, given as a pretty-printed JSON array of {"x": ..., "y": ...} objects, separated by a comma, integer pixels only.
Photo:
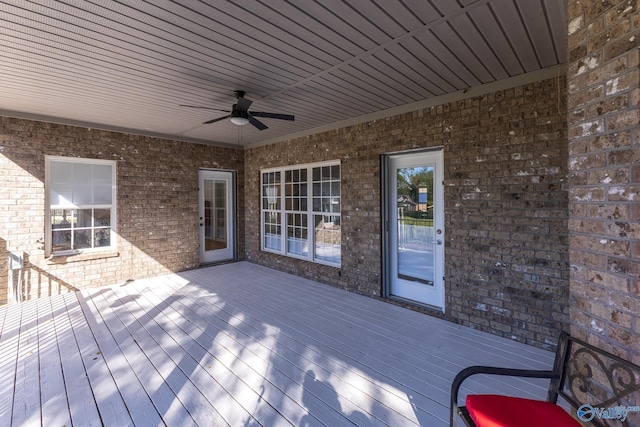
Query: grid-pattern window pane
[
  {"x": 295, "y": 206},
  {"x": 220, "y": 210},
  {"x": 296, "y": 190},
  {"x": 81, "y": 204},
  {"x": 301, "y": 212},
  {"x": 327, "y": 238},
  {"x": 326, "y": 208},
  {"x": 271, "y": 204},
  {"x": 271, "y": 190},
  {"x": 297, "y": 237},
  {"x": 272, "y": 232}
]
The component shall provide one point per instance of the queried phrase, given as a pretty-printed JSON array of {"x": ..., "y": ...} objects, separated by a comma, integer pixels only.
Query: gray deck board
[
  {"x": 328, "y": 351},
  {"x": 132, "y": 345},
  {"x": 118, "y": 357},
  {"x": 109, "y": 404},
  {"x": 168, "y": 360},
  {"x": 26, "y": 397},
  {"x": 83, "y": 411},
  {"x": 8, "y": 361},
  {"x": 51, "y": 374},
  {"x": 239, "y": 345},
  {"x": 205, "y": 333}
]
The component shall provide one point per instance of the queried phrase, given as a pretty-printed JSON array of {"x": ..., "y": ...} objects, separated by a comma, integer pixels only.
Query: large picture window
[
  {"x": 81, "y": 205},
  {"x": 301, "y": 212}
]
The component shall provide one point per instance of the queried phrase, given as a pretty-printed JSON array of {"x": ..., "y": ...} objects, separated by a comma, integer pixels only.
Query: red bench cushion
[{"x": 490, "y": 410}]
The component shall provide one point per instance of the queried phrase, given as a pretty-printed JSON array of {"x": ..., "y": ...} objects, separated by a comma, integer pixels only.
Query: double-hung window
[
  {"x": 301, "y": 212},
  {"x": 81, "y": 197}
]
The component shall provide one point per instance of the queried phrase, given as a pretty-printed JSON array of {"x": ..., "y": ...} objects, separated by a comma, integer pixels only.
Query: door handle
[{"x": 438, "y": 242}]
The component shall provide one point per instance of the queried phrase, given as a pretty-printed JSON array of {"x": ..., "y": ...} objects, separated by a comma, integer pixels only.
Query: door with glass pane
[
  {"x": 217, "y": 216},
  {"x": 414, "y": 223}
]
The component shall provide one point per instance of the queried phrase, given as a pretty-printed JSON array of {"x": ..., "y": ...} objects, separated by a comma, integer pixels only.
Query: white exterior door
[
  {"x": 415, "y": 227},
  {"x": 217, "y": 216}
]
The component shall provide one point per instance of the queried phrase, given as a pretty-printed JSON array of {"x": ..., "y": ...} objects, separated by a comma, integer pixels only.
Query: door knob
[{"x": 438, "y": 242}]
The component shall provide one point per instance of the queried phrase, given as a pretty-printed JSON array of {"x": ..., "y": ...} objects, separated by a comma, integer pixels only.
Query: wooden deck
[{"x": 238, "y": 345}]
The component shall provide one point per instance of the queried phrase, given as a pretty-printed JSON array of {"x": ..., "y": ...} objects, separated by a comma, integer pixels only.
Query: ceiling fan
[{"x": 240, "y": 114}]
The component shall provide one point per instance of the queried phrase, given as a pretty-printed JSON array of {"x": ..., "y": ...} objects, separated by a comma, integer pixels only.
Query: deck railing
[{"x": 415, "y": 233}]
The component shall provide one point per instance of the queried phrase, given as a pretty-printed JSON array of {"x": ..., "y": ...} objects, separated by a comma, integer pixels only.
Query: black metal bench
[{"x": 601, "y": 388}]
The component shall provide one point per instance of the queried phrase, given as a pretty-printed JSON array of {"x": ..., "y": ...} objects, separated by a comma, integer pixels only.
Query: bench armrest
[{"x": 490, "y": 370}]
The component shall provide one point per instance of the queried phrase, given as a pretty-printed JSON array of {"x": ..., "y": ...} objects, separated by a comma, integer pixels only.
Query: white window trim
[
  {"x": 309, "y": 212},
  {"x": 48, "y": 229}
]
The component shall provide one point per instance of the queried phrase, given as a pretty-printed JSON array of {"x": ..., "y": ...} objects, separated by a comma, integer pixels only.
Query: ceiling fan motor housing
[{"x": 238, "y": 113}]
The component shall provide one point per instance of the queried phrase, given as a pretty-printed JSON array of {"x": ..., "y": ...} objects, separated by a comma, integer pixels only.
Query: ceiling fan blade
[
  {"x": 204, "y": 108},
  {"x": 243, "y": 104},
  {"x": 273, "y": 116},
  {"x": 257, "y": 123},
  {"x": 217, "y": 120}
]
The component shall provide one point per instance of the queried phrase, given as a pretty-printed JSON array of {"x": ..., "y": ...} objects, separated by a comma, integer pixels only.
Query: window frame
[
  {"x": 111, "y": 207},
  {"x": 284, "y": 213}
]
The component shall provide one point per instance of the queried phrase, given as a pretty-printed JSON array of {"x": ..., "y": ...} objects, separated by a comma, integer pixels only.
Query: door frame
[
  {"x": 386, "y": 252},
  {"x": 231, "y": 213}
]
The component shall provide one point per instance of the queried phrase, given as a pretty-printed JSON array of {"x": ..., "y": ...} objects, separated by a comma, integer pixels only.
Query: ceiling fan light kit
[
  {"x": 239, "y": 118},
  {"x": 240, "y": 114}
]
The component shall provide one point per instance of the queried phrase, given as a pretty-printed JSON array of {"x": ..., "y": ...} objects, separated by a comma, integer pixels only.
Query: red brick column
[{"x": 604, "y": 173}]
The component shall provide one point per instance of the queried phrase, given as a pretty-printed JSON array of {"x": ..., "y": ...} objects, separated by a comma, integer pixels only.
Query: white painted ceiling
[{"x": 130, "y": 64}]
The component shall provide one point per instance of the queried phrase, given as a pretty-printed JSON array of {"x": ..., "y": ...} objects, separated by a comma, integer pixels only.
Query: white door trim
[
  {"x": 393, "y": 286},
  {"x": 229, "y": 252}
]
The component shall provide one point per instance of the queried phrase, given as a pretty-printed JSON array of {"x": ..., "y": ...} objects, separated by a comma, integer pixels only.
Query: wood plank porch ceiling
[
  {"x": 129, "y": 65},
  {"x": 238, "y": 344}
]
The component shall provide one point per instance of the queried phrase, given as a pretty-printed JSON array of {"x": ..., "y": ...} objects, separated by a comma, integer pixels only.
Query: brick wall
[
  {"x": 604, "y": 162},
  {"x": 157, "y": 203},
  {"x": 506, "y": 249}
]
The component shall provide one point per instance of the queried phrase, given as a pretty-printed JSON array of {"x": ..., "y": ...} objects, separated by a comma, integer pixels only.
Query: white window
[
  {"x": 301, "y": 212},
  {"x": 81, "y": 198}
]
